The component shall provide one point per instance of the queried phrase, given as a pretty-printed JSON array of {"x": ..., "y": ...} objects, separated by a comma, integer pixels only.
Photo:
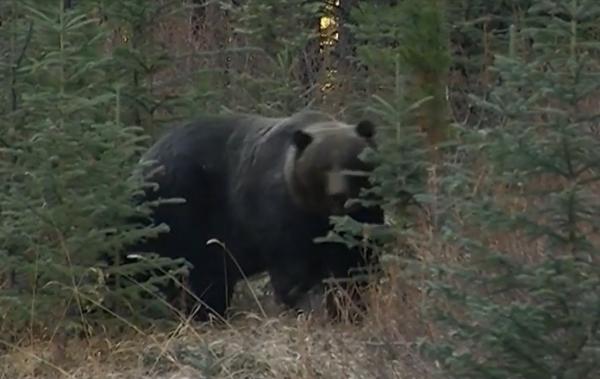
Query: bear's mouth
[
  {"x": 337, "y": 210},
  {"x": 337, "y": 204}
]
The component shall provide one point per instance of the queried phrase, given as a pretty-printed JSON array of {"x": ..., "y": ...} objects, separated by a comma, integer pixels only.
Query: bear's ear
[
  {"x": 302, "y": 139},
  {"x": 365, "y": 129}
]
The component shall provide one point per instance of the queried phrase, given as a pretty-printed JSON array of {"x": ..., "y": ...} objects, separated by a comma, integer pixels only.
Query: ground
[{"x": 254, "y": 345}]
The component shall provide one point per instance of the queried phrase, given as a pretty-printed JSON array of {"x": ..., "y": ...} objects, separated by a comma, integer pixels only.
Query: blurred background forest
[{"x": 489, "y": 113}]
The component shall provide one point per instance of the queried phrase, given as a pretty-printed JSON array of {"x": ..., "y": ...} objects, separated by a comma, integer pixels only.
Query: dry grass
[{"x": 278, "y": 345}]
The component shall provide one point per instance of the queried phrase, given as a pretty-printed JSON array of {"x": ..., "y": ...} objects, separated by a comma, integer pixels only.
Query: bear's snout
[
  {"x": 337, "y": 184},
  {"x": 337, "y": 192}
]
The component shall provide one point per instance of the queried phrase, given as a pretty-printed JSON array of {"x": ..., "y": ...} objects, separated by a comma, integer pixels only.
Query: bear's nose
[{"x": 336, "y": 184}]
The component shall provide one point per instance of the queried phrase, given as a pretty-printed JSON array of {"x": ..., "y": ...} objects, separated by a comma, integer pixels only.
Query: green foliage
[
  {"x": 412, "y": 34},
  {"x": 278, "y": 26},
  {"x": 390, "y": 43},
  {"x": 413, "y": 30},
  {"x": 140, "y": 61},
  {"x": 285, "y": 73},
  {"x": 66, "y": 170},
  {"x": 272, "y": 88},
  {"x": 479, "y": 29},
  {"x": 535, "y": 312}
]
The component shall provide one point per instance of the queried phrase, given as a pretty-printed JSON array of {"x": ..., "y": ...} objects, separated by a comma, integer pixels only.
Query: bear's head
[{"x": 323, "y": 168}]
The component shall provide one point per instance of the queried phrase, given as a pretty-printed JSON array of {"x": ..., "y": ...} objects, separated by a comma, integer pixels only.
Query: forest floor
[{"x": 260, "y": 342}]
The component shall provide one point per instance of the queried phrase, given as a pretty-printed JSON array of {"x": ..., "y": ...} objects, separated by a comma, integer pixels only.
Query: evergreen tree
[
  {"x": 153, "y": 86},
  {"x": 524, "y": 300},
  {"x": 479, "y": 30},
  {"x": 286, "y": 73},
  {"x": 66, "y": 171},
  {"x": 408, "y": 43}
]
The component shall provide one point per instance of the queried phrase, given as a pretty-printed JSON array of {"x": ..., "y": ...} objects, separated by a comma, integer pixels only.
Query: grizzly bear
[{"x": 258, "y": 191}]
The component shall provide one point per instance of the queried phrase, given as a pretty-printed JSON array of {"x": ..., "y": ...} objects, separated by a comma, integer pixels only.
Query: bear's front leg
[{"x": 290, "y": 286}]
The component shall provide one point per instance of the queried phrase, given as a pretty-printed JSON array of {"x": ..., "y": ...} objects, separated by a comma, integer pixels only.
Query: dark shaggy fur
[{"x": 233, "y": 172}]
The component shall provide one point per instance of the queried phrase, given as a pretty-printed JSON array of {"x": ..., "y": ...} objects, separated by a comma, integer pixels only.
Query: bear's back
[
  {"x": 207, "y": 135},
  {"x": 260, "y": 144}
]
